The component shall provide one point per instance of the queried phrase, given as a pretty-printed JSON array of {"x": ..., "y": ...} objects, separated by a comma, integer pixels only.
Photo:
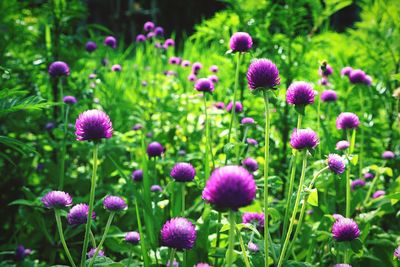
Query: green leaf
[
  {"x": 225, "y": 227},
  {"x": 23, "y": 202},
  {"x": 356, "y": 246},
  {"x": 354, "y": 160},
  {"x": 301, "y": 109},
  {"x": 313, "y": 197}
]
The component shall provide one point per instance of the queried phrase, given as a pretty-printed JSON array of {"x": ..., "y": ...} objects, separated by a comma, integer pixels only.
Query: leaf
[
  {"x": 356, "y": 245},
  {"x": 224, "y": 228},
  {"x": 313, "y": 197},
  {"x": 354, "y": 160},
  {"x": 388, "y": 171},
  {"x": 23, "y": 202},
  {"x": 301, "y": 109}
]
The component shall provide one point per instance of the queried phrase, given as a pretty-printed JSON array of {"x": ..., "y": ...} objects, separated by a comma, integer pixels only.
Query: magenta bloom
[
  {"x": 78, "y": 214},
  {"x": 325, "y": 71},
  {"x": 300, "y": 93},
  {"x": 169, "y": 42},
  {"x": 357, "y": 76},
  {"x": 369, "y": 176},
  {"x": 159, "y": 31},
  {"x": 192, "y": 77},
  {"x": 397, "y": 253},
  {"x": 137, "y": 175},
  {"x": 204, "y": 85},
  {"x": 388, "y": 155},
  {"x": 58, "y": 68},
  {"x": 156, "y": 188},
  {"x": 91, "y": 252},
  {"x": 116, "y": 68},
  {"x": 56, "y": 200},
  {"x": 357, "y": 183},
  {"x": 173, "y": 264},
  {"x": 151, "y": 35},
  {"x": 250, "y": 164},
  {"x": 252, "y": 247},
  {"x": 185, "y": 63},
  {"x": 337, "y": 216},
  {"x": 378, "y": 194},
  {"x": 137, "y": 127},
  {"x": 257, "y": 219},
  {"x": 323, "y": 81},
  {"x": 304, "y": 139},
  {"x": 262, "y": 73},
  {"x": 110, "y": 41},
  {"x": 252, "y": 141},
  {"x": 174, "y": 60},
  {"x": 342, "y": 145},
  {"x": 21, "y": 252},
  {"x": 178, "y": 233},
  {"x": 238, "y": 107},
  {"x": 240, "y": 42},
  {"x": 214, "y": 68},
  {"x": 196, "y": 67},
  {"x": 132, "y": 237},
  {"x": 247, "y": 120},
  {"x": 336, "y": 163},
  {"x": 140, "y": 38},
  {"x": 346, "y": 71},
  {"x": 345, "y": 230},
  {"x": 69, "y": 99},
  {"x": 342, "y": 265},
  {"x": 93, "y": 125},
  {"x": 155, "y": 149},
  {"x": 347, "y": 120},
  {"x": 329, "y": 96},
  {"x": 368, "y": 80},
  {"x": 213, "y": 78},
  {"x": 114, "y": 203},
  {"x": 201, "y": 264},
  {"x": 183, "y": 172},
  {"x": 148, "y": 26},
  {"x": 230, "y": 187},
  {"x": 91, "y": 46},
  {"x": 219, "y": 105}
]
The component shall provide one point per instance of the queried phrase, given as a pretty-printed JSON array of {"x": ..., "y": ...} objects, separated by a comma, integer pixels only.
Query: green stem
[
  {"x": 142, "y": 242},
  {"x": 93, "y": 240},
  {"x": 130, "y": 257},
  {"x": 361, "y": 156},
  {"x": 172, "y": 257},
  {"x": 346, "y": 258},
  {"x": 91, "y": 204},
  {"x": 206, "y": 157},
  {"x": 60, "y": 232},
  {"x": 218, "y": 237},
  {"x": 183, "y": 199},
  {"x": 372, "y": 186},
  {"x": 231, "y": 241},
  {"x": 266, "y": 169},
  {"x": 63, "y": 151},
  {"x": 318, "y": 125},
  {"x": 239, "y": 153},
  {"x": 245, "y": 258}
]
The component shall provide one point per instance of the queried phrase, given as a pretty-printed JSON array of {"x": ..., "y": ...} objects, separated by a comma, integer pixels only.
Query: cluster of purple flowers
[
  {"x": 356, "y": 76},
  {"x": 328, "y": 95}
]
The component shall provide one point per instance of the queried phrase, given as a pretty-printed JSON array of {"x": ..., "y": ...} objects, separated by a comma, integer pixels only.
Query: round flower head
[
  {"x": 342, "y": 265},
  {"x": 337, "y": 216},
  {"x": 357, "y": 183},
  {"x": 252, "y": 247},
  {"x": 300, "y": 93},
  {"x": 91, "y": 252},
  {"x": 388, "y": 155},
  {"x": 342, "y": 145},
  {"x": 21, "y": 252},
  {"x": 156, "y": 188},
  {"x": 169, "y": 42},
  {"x": 114, "y": 203},
  {"x": 252, "y": 141},
  {"x": 204, "y": 85},
  {"x": 262, "y": 73},
  {"x": 304, "y": 139},
  {"x": 238, "y": 107},
  {"x": 178, "y": 233},
  {"x": 213, "y": 78},
  {"x": 345, "y": 230},
  {"x": 91, "y": 46},
  {"x": 58, "y": 68},
  {"x": 137, "y": 127},
  {"x": 132, "y": 237},
  {"x": 369, "y": 176},
  {"x": 140, "y": 38},
  {"x": 368, "y": 80},
  {"x": 116, "y": 68},
  {"x": 230, "y": 187},
  {"x": 151, "y": 35},
  {"x": 250, "y": 164},
  {"x": 137, "y": 175},
  {"x": 92, "y": 76},
  {"x": 57, "y": 199},
  {"x": 201, "y": 264},
  {"x": 323, "y": 81},
  {"x": 196, "y": 67},
  {"x": 154, "y": 149},
  {"x": 93, "y": 125},
  {"x": 219, "y": 105},
  {"x": 357, "y": 76},
  {"x": 378, "y": 194},
  {"x": 214, "y": 68},
  {"x": 240, "y": 42},
  {"x": 397, "y": 253},
  {"x": 247, "y": 120},
  {"x": 174, "y": 60},
  {"x": 69, "y": 99},
  {"x": 192, "y": 77},
  {"x": 185, "y": 63},
  {"x": 326, "y": 70},
  {"x": 159, "y": 31},
  {"x": 148, "y": 26},
  {"x": 346, "y": 71},
  {"x": 110, "y": 41},
  {"x": 183, "y": 172},
  {"x": 257, "y": 219},
  {"x": 328, "y": 96},
  {"x": 78, "y": 214},
  {"x": 336, "y": 163},
  {"x": 49, "y": 126},
  {"x": 347, "y": 120}
]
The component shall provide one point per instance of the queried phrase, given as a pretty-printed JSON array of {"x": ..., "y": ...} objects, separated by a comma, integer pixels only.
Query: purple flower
[
  {"x": 132, "y": 237},
  {"x": 336, "y": 163},
  {"x": 151, "y": 35},
  {"x": 357, "y": 183},
  {"x": 378, "y": 194},
  {"x": 342, "y": 145},
  {"x": 346, "y": 71},
  {"x": 92, "y": 76},
  {"x": 137, "y": 127},
  {"x": 21, "y": 252},
  {"x": 240, "y": 42},
  {"x": 252, "y": 141},
  {"x": 174, "y": 60},
  {"x": 368, "y": 80},
  {"x": 238, "y": 107},
  {"x": 58, "y": 68},
  {"x": 196, "y": 67},
  {"x": 337, "y": 216},
  {"x": 169, "y": 42},
  {"x": 342, "y": 265},
  {"x": 250, "y": 164},
  {"x": 347, "y": 120},
  {"x": 345, "y": 230},
  {"x": 137, "y": 175},
  {"x": 192, "y": 77},
  {"x": 254, "y": 218},
  {"x": 56, "y": 199},
  {"x": 174, "y": 263},
  {"x": 69, "y": 99},
  {"x": 262, "y": 73},
  {"x": 201, "y": 264},
  {"x": 357, "y": 76},
  {"x": 93, "y": 125},
  {"x": 388, "y": 155},
  {"x": 183, "y": 172},
  {"x": 116, "y": 68},
  {"x": 214, "y": 68},
  {"x": 230, "y": 187},
  {"x": 252, "y": 247},
  {"x": 204, "y": 85},
  {"x": 140, "y": 38},
  {"x": 213, "y": 78},
  {"x": 300, "y": 93},
  {"x": 304, "y": 139},
  {"x": 185, "y": 63},
  {"x": 144, "y": 83},
  {"x": 154, "y": 149},
  {"x": 49, "y": 126},
  {"x": 323, "y": 81},
  {"x": 219, "y": 105},
  {"x": 91, "y": 46},
  {"x": 178, "y": 233},
  {"x": 325, "y": 70},
  {"x": 397, "y": 253},
  {"x": 78, "y": 214},
  {"x": 114, "y": 203},
  {"x": 110, "y": 41},
  {"x": 91, "y": 252},
  {"x": 159, "y": 31},
  {"x": 247, "y": 120},
  {"x": 156, "y": 188},
  {"x": 148, "y": 26},
  {"x": 369, "y": 176},
  {"x": 329, "y": 96}
]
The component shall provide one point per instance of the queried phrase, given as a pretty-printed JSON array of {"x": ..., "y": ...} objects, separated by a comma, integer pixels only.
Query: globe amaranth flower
[
  {"x": 347, "y": 120},
  {"x": 116, "y": 68},
  {"x": 58, "y": 68},
  {"x": 336, "y": 163},
  {"x": 342, "y": 145},
  {"x": 93, "y": 125},
  {"x": 369, "y": 176},
  {"x": 132, "y": 237},
  {"x": 300, "y": 93},
  {"x": 178, "y": 233},
  {"x": 91, "y": 252},
  {"x": 137, "y": 175},
  {"x": 396, "y": 253},
  {"x": 247, "y": 121},
  {"x": 181, "y": 152},
  {"x": 378, "y": 194},
  {"x": 324, "y": 81},
  {"x": 238, "y": 107},
  {"x": 69, "y": 99},
  {"x": 169, "y": 42},
  {"x": 155, "y": 149},
  {"x": 213, "y": 78},
  {"x": 21, "y": 252},
  {"x": 252, "y": 141},
  {"x": 140, "y": 38},
  {"x": 214, "y": 68},
  {"x": 92, "y": 76},
  {"x": 388, "y": 155},
  {"x": 337, "y": 216},
  {"x": 368, "y": 80},
  {"x": 357, "y": 184},
  {"x": 219, "y": 105},
  {"x": 357, "y": 76},
  {"x": 57, "y": 199},
  {"x": 240, "y": 42},
  {"x": 174, "y": 60},
  {"x": 78, "y": 214},
  {"x": 252, "y": 247},
  {"x": 201, "y": 264},
  {"x": 185, "y": 63},
  {"x": 262, "y": 73},
  {"x": 91, "y": 46},
  {"x": 196, "y": 67},
  {"x": 110, "y": 41},
  {"x": 159, "y": 31},
  {"x": 325, "y": 70},
  {"x": 345, "y": 230},
  {"x": 148, "y": 26},
  {"x": 114, "y": 203},
  {"x": 137, "y": 127},
  {"x": 250, "y": 164},
  {"x": 346, "y": 71},
  {"x": 156, "y": 188},
  {"x": 50, "y": 125},
  {"x": 174, "y": 263},
  {"x": 183, "y": 172},
  {"x": 342, "y": 265},
  {"x": 204, "y": 85},
  {"x": 192, "y": 77},
  {"x": 304, "y": 139},
  {"x": 151, "y": 35},
  {"x": 329, "y": 96},
  {"x": 254, "y": 218},
  {"x": 230, "y": 187}
]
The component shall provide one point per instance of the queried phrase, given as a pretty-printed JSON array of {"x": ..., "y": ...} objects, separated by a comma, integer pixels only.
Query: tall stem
[
  {"x": 245, "y": 258},
  {"x": 183, "y": 198},
  {"x": 348, "y": 184},
  {"x": 231, "y": 241},
  {"x": 372, "y": 186},
  {"x": 172, "y": 257},
  {"x": 206, "y": 157},
  {"x": 61, "y": 233},
  {"x": 361, "y": 156},
  {"x": 91, "y": 204},
  {"x": 318, "y": 125},
  {"x": 63, "y": 150},
  {"x": 266, "y": 169},
  {"x": 142, "y": 242}
]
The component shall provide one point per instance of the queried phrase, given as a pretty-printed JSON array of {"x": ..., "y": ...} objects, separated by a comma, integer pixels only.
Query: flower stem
[
  {"x": 229, "y": 257},
  {"x": 63, "y": 151},
  {"x": 130, "y": 257},
  {"x": 172, "y": 257},
  {"x": 93, "y": 240},
  {"x": 183, "y": 198},
  {"x": 372, "y": 186},
  {"x": 142, "y": 242},
  {"x": 206, "y": 157},
  {"x": 361, "y": 156},
  {"x": 245, "y": 258},
  {"x": 266, "y": 169},
  {"x": 346, "y": 256},
  {"x": 91, "y": 204},
  {"x": 351, "y": 140},
  {"x": 60, "y": 232}
]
